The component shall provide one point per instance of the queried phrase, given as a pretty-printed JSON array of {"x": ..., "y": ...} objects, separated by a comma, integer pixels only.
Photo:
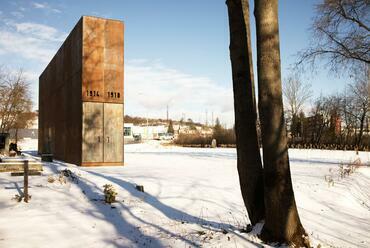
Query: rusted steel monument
[{"x": 81, "y": 96}]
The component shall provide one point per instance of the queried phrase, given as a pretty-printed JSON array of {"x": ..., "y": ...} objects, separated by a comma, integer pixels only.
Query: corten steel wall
[{"x": 81, "y": 96}]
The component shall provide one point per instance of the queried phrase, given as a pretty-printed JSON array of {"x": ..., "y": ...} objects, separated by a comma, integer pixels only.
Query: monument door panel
[
  {"x": 92, "y": 132},
  {"x": 113, "y": 132}
]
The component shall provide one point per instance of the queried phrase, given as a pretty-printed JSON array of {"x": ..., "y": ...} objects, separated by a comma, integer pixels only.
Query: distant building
[
  {"x": 127, "y": 132},
  {"x": 151, "y": 132},
  {"x": 336, "y": 124},
  {"x": 312, "y": 127}
]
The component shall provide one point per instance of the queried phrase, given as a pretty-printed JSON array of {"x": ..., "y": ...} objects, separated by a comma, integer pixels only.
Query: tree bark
[
  {"x": 282, "y": 223},
  {"x": 248, "y": 153}
]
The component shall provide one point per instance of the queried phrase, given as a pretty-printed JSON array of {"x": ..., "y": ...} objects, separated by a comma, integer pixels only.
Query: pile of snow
[{"x": 191, "y": 198}]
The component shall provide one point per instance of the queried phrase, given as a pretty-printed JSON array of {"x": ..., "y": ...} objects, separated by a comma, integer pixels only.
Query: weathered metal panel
[
  {"x": 92, "y": 132},
  {"x": 113, "y": 132},
  {"x": 102, "y": 77},
  {"x": 113, "y": 62},
  {"x": 74, "y": 122},
  {"x": 60, "y": 116},
  {"x": 73, "y": 58},
  {"x": 55, "y": 98},
  {"x": 93, "y": 59}
]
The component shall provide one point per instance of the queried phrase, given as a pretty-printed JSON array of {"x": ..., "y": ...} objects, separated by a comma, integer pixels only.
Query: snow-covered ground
[{"x": 191, "y": 198}]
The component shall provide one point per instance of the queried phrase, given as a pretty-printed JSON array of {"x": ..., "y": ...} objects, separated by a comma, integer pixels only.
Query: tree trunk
[
  {"x": 16, "y": 135},
  {"x": 282, "y": 223},
  {"x": 362, "y": 122},
  {"x": 248, "y": 153}
]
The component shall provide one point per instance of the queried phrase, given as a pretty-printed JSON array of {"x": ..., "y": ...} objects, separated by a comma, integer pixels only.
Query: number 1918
[{"x": 113, "y": 94}]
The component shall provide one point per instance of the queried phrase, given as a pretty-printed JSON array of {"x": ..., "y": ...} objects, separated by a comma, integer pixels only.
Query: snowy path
[{"x": 191, "y": 197}]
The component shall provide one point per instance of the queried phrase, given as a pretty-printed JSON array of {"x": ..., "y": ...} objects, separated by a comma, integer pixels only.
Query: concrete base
[{"x": 88, "y": 164}]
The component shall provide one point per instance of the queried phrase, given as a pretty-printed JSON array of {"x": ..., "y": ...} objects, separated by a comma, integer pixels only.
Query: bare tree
[
  {"x": 15, "y": 100},
  {"x": 360, "y": 96},
  {"x": 317, "y": 123},
  {"x": 296, "y": 94},
  {"x": 351, "y": 107},
  {"x": 349, "y": 120},
  {"x": 340, "y": 34},
  {"x": 248, "y": 155},
  {"x": 282, "y": 222},
  {"x": 325, "y": 113}
]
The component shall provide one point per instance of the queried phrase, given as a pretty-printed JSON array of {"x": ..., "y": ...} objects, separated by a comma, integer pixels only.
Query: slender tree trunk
[
  {"x": 282, "y": 222},
  {"x": 16, "y": 135},
  {"x": 362, "y": 122},
  {"x": 249, "y": 159}
]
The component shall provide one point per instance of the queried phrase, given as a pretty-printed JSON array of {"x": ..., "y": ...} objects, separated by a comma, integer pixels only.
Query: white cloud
[
  {"x": 26, "y": 47},
  {"x": 45, "y": 6},
  {"x": 31, "y": 76},
  {"x": 39, "y": 5},
  {"x": 40, "y": 31},
  {"x": 150, "y": 86},
  {"x": 30, "y": 40}
]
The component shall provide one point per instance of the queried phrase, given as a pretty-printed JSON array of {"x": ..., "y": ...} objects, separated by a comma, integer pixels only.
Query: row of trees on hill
[{"x": 15, "y": 101}]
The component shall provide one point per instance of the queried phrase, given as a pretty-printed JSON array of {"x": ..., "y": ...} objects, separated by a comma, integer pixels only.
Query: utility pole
[
  {"x": 167, "y": 113},
  {"x": 206, "y": 117},
  {"x": 213, "y": 123}
]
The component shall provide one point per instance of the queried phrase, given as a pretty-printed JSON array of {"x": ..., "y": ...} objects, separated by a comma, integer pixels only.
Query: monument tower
[{"x": 81, "y": 96}]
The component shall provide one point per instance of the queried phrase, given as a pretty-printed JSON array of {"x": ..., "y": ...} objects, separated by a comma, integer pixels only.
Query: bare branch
[
  {"x": 351, "y": 18},
  {"x": 340, "y": 35}
]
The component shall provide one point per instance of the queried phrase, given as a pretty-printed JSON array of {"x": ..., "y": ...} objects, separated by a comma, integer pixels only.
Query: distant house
[
  {"x": 150, "y": 132},
  {"x": 127, "y": 132},
  {"x": 314, "y": 127},
  {"x": 145, "y": 132}
]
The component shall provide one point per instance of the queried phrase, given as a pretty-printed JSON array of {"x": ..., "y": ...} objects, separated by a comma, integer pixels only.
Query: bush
[
  {"x": 224, "y": 137},
  {"x": 110, "y": 193},
  {"x": 193, "y": 140}
]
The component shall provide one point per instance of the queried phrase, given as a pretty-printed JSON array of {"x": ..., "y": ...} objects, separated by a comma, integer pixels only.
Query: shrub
[
  {"x": 51, "y": 179},
  {"x": 193, "y": 139},
  {"x": 110, "y": 193},
  {"x": 224, "y": 137}
]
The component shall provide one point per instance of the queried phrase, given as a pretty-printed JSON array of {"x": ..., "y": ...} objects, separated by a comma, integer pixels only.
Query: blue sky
[{"x": 176, "y": 52}]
